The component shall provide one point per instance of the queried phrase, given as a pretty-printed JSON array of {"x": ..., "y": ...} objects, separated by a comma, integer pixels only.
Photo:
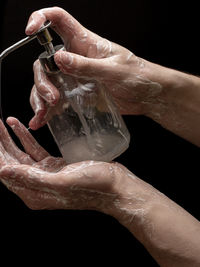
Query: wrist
[
  {"x": 166, "y": 230},
  {"x": 177, "y": 106},
  {"x": 176, "y": 88},
  {"x": 132, "y": 202},
  {"x": 161, "y": 82},
  {"x": 145, "y": 81}
]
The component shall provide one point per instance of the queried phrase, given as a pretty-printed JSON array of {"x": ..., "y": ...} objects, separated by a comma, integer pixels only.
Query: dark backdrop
[{"x": 165, "y": 32}]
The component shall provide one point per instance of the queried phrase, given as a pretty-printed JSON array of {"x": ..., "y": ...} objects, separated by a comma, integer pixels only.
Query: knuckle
[
  {"x": 41, "y": 89},
  {"x": 35, "y": 65},
  {"x": 57, "y": 9}
]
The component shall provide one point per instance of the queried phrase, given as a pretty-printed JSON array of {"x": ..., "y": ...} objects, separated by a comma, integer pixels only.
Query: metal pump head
[
  {"x": 47, "y": 57},
  {"x": 45, "y": 38},
  {"x": 43, "y": 34}
]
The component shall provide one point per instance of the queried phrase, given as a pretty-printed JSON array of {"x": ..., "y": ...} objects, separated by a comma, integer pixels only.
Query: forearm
[
  {"x": 177, "y": 106},
  {"x": 173, "y": 236},
  {"x": 168, "y": 232}
]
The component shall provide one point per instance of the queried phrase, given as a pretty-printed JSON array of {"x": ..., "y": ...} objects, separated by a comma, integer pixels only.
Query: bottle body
[{"x": 85, "y": 123}]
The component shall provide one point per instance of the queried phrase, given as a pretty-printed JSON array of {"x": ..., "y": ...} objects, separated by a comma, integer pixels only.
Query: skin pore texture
[{"x": 137, "y": 87}]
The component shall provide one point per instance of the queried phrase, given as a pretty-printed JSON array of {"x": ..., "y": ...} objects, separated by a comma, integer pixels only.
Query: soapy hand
[
  {"x": 46, "y": 182},
  {"x": 92, "y": 57}
]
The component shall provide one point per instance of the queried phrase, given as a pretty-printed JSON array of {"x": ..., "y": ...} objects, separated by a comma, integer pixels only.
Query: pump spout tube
[{"x": 16, "y": 45}]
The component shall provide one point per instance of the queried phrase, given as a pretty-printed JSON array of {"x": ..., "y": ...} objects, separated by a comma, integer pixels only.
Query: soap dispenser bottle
[{"x": 85, "y": 123}]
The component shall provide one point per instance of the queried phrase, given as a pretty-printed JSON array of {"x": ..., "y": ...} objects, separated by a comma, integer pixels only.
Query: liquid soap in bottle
[{"x": 85, "y": 123}]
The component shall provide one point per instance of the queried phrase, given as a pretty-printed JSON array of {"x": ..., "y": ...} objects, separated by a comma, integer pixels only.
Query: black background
[{"x": 164, "y": 32}]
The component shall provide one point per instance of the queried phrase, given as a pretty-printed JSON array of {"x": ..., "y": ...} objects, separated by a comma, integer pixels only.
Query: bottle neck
[{"x": 47, "y": 61}]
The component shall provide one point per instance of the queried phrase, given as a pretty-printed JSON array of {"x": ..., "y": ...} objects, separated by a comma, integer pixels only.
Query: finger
[
  {"x": 35, "y": 199},
  {"x": 44, "y": 86},
  {"x": 11, "y": 152},
  {"x": 63, "y": 23},
  {"x": 39, "y": 108},
  {"x": 70, "y": 63},
  {"x": 38, "y": 121},
  {"x": 36, "y": 101},
  {"x": 29, "y": 177},
  {"x": 24, "y": 175},
  {"x": 29, "y": 143}
]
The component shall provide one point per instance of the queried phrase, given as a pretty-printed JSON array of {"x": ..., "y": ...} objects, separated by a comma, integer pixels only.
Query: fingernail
[
  {"x": 33, "y": 124},
  {"x": 30, "y": 27}
]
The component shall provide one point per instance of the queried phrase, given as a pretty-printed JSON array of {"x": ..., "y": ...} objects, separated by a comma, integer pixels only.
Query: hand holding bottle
[
  {"x": 89, "y": 55},
  {"x": 84, "y": 121}
]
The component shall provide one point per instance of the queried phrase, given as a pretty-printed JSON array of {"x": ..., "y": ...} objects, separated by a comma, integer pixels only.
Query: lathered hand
[{"x": 92, "y": 57}]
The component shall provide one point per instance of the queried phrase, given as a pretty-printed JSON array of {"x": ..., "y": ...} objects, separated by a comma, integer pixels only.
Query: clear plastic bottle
[{"x": 85, "y": 123}]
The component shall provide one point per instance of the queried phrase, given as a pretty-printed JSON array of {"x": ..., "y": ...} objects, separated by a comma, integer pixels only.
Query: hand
[
  {"x": 46, "y": 182},
  {"x": 92, "y": 57}
]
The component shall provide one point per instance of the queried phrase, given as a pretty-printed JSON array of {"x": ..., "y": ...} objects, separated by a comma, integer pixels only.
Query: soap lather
[{"x": 85, "y": 123}]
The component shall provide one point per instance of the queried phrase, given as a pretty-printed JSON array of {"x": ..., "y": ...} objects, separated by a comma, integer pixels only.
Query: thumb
[
  {"x": 26, "y": 176},
  {"x": 70, "y": 63}
]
